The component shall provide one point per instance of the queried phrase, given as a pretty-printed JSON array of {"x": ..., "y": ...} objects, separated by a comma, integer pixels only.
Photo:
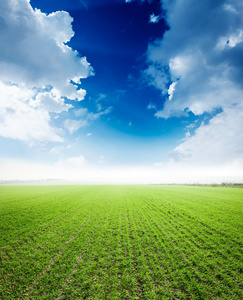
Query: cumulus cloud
[
  {"x": 23, "y": 119},
  {"x": 198, "y": 66},
  {"x": 202, "y": 51},
  {"x": 38, "y": 69}
]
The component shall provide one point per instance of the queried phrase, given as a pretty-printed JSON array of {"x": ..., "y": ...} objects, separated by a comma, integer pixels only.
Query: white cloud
[
  {"x": 84, "y": 113},
  {"x": 59, "y": 149},
  {"x": 95, "y": 116},
  {"x": 56, "y": 150},
  {"x": 156, "y": 76},
  {"x": 153, "y": 18},
  {"x": 151, "y": 106},
  {"x": 87, "y": 118},
  {"x": 218, "y": 142},
  {"x": 171, "y": 90},
  {"x": 202, "y": 54},
  {"x": 21, "y": 120},
  {"x": 230, "y": 8},
  {"x": 99, "y": 107},
  {"x": 101, "y": 97},
  {"x": 50, "y": 102},
  {"x": 35, "y": 60},
  {"x": 81, "y": 112},
  {"x": 74, "y": 125},
  {"x": 207, "y": 75},
  {"x": 230, "y": 41}
]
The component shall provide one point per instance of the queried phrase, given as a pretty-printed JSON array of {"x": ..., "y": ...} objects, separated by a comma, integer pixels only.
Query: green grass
[{"x": 121, "y": 242}]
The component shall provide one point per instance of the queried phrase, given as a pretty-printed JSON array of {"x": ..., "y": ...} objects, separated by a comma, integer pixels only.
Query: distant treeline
[
  {"x": 227, "y": 184},
  {"x": 221, "y": 184}
]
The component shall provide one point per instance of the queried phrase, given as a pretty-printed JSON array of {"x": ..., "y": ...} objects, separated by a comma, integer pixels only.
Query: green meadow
[{"x": 121, "y": 242}]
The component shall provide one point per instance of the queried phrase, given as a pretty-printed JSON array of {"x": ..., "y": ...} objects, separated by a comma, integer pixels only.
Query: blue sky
[{"x": 121, "y": 91}]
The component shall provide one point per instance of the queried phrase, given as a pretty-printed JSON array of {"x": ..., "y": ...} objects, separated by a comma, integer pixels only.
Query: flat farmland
[{"x": 121, "y": 242}]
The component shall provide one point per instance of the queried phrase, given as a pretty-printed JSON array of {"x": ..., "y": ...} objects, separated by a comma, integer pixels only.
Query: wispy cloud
[
  {"x": 74, "y": 125},
  {"x": 82, "y": 112},
  {"x": 151, "y": 106},
  {"x": 85, "y": 118},
  {"x": 95, "y": 116}
]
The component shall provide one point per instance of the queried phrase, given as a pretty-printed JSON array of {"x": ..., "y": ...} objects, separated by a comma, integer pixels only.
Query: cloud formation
[
  {"x": 85, "y": 117},
  {"x": 38, "y": 70},
  {"x": 219, "y": 141},
  {"x": 27, "y": 120},
  {"x": 198, "y": 66},
  {"x": 202, "y": 52},
  {"x": 153, "y": 18},
  {"x": 74, "y": 125}
]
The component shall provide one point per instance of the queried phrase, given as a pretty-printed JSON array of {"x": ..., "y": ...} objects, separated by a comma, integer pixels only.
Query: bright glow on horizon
[{"x": 77, "y": 170}]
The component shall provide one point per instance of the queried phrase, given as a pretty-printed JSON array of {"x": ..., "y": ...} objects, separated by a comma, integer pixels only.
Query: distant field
[{"x": 121, "y": 242}]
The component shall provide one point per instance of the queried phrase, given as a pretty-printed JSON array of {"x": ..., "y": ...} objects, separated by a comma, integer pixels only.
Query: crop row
[{"x": 122, "y": 242}]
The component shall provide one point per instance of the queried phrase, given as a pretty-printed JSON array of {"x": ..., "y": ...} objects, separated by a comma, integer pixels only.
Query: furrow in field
[
  {"x": 157, "y": 242},
  {"x": 124, "y": 242},
  {"x": 47, "y": 257},
  {"x": 206, "y": 206},
  {"x": 68, "y": 242},
  {"x": 166, "y": 245},
  {"x": 157, "y": 256},
  {"x": 122, "y": 284},
  {"x": 43, "y": 219},
  {"x": 206, "y": 236},
  {"x": 54, "y": 216},
  {"x": 89, "y": 271},
  {"x": 143, "y": 275},
  {"x": 16, "y": 258},
  {"x": 81, "y": 251},
  {"x": 59, "y": 267},
  {"x": 131, "y": 282},
  {"x": 203, "y": 238},
  {"x": 36, "y": 238},
  {"x": 189, "y": 252}
]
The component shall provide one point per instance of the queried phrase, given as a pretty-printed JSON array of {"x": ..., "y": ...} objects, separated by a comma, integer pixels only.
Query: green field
[{"x": 121, "y": 242}]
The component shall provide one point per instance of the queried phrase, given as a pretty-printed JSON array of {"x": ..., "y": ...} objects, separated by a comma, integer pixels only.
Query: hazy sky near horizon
[{"x": 121, "y": 91}]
